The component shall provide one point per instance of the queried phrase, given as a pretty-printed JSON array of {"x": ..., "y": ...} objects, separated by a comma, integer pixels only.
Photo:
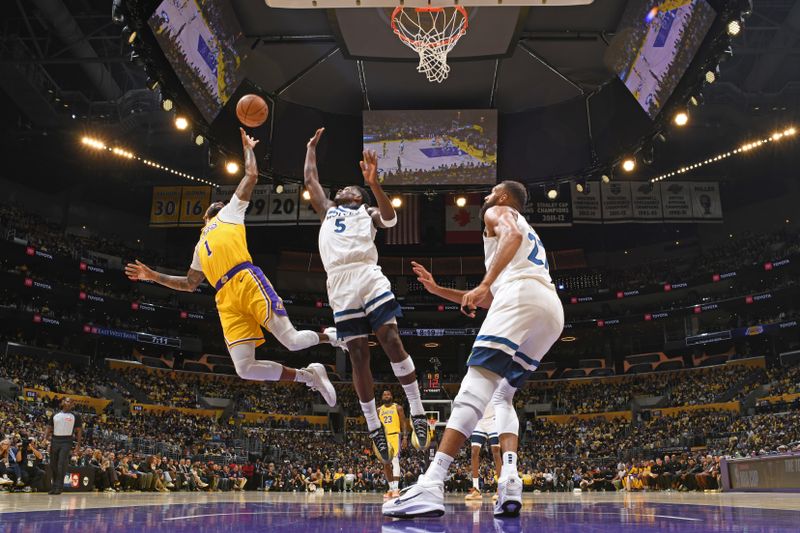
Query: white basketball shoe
[
  {"x": 509, "y": 500},
  {"x": 321, "y": 383},
  {"x": 422, "y": 500}
]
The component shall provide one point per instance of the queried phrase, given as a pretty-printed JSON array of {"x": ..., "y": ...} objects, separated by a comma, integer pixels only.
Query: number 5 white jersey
[
  {"x": 530, "y": 261},
  {"x": 347, "y": 237}
]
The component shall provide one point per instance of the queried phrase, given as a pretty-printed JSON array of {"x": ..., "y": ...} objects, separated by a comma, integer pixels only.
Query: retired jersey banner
[
  {"x": 617, "y": 205},
  {"x": 586, "y": 204},
  {"x": 542, "y": 211},
  {"x": 165, "y": 210},
  {"x": 283, "y": 207},
  {"x": 706, "y": 205},
  {"x": 194, "y": 203},
  {"x": 257, "y": 212},
  {"x": 676, "y": 197},
  {"x": 646, "y": 199}
]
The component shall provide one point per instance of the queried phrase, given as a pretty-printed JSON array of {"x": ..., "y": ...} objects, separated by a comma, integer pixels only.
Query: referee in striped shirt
[{"x": 65, "y": 430}]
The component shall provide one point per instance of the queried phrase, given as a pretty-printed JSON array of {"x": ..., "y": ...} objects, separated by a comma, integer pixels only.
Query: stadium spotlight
[
  {"x": 181, "y": 123},
  {"x": 461, "y": 201},
  {"x": 278, "y": 188},
  {"x": 580, "y": 185},
  {"x": 711, "y": 76},
  {"x": 790, "y": 131},
  {"x": 199, "y": 140},
  {"x": 167, "y": 104},
  {"x": 681, "y": 118},
  {"x": 734, "y": 28},
  {"x": 628, "y": 164},
  {"x": 552, "y": 193},
  {"x": 232, "y": 167},
  {"x": 605, "y": 178},
  {"x": 306, "y": 195},
  {"x": 397, "y": 202}
]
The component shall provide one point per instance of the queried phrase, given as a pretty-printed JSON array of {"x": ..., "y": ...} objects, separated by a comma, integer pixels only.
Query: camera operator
[
  {"x": 65, "y": 427},
  {"x": 31, "y": 461}
]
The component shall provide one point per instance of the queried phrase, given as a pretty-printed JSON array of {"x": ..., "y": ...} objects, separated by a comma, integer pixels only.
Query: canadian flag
[{"x": 463, "y": 224}]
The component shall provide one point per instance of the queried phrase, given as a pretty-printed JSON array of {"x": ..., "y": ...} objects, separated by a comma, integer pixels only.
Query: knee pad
[
  {"x": 506, "y": 419},
  {"x": 470, "y": 403},
  {"x": 283, "y": 330}
]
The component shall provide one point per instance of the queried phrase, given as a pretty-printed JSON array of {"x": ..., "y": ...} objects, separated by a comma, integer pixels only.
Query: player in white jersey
[
  {"x": 484, "y": 433},
  {"x": 525, "y": 318},
  {"x": 359, "y": 294}
]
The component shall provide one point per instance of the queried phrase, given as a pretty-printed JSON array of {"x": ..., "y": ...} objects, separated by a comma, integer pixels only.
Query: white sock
[
  {"x": 475, "y": 484},
  {"x": 303, "y": 376},
  {"x": 439, "y": 467},
  {"x": 509, "y": 465},
  {"x": 414, "y": 400},
  {"x": 371, "y": 414},
  {"x": 394, "y": 485}
]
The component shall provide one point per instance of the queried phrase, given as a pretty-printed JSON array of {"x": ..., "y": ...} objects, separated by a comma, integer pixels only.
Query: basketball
[{"x": 252, "y": 110}]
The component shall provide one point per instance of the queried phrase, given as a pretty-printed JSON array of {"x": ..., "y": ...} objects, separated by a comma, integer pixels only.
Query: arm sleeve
[
  {"x": 234, "y": 211},
  {"x": 196, "y": 262}
]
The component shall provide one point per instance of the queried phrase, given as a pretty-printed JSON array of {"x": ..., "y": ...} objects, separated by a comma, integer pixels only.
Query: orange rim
[{"x": 444, "y": 42}]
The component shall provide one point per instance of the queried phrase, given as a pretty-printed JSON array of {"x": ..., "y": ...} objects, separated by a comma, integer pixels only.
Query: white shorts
[
  {"x": 525, "y": 319},
  {"x": 486, "y": 430},
  {"x": 362, "y": 301}
]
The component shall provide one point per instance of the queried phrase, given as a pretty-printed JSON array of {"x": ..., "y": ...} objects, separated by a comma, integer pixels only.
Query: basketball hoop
[{"x": 431, "y": 32}]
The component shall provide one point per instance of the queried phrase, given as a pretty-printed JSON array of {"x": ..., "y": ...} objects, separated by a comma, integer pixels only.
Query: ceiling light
[
  {"x": 279, "y": 188},
  {"x": 232, "y": 167},
  {"x": 568, "y": 339},
  {"x": 628, "y": 165},
  {"x": 461, "y": 201},
  {"x": 199, "y": 140},
  {"x": 579, "y": 187},
  {"x": 167, "y": 104},
  {"x": 181, "y": 123},
  {"x": 431, "y": 344},
  {"x": 306, "y": 195},
  {"x": 132, "y": 37},
  {"x": 681, "y": 118},
  {"x": 734, "y": 27},
  {"x": 397, "y": 202},
  {"x": 605, "y": 178},
  {"x": 552, "y": 193},
  {"x": 711, "y": 76}
]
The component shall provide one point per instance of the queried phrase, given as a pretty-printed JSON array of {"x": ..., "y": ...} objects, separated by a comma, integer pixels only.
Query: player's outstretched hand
[
  {"x": 423, "y": 276},
  {"x": 247, "y": 141},
  {"x": 312, "y": 142},
  {"x": 471, "y": 300},
  {"x": 138, "y": 270},
  {"x": 369, "y": 167}
]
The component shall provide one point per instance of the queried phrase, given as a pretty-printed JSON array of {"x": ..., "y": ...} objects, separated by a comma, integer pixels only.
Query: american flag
[{"x": 407, "y": 230}]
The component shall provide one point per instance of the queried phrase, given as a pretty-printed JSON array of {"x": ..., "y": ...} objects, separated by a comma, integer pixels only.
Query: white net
[{"x": 431, "y": 33}]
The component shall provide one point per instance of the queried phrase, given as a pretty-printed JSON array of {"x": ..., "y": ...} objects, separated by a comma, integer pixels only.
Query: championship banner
[
  {"x": 165, "y": 210},
  {"x": 617, "y": 205},
  {"x": 586, "y": 204},
  {"x": 283, "y": 207},
  {"x": 194, "y": 203},
  {"x": 646, "y": 202},
  {"x": 542, "y": 211},
  {"x": 706, "y": 205},
  {"x": 676, "y": 197},
  {"x": 307, "y": 215}
]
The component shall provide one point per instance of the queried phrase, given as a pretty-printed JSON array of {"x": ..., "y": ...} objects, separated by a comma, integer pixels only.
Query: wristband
[{"x": 389, "y": 223}]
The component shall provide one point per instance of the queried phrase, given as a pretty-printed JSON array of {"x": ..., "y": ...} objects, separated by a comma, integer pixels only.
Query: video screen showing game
[
  {"x": 661, "y": 40},
  {"x": 198, "y": 39},
  {"x": 433, "y": 147}
]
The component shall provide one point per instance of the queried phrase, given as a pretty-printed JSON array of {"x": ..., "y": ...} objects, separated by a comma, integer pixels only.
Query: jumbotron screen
[
  {"x": 199, "y": 44},
  {"x": 433, "y": 147},
  {"x": 661, "y": 40}
]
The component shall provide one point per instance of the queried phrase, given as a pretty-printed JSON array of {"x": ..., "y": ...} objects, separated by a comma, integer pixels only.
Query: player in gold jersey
[
  {"x": 246, "y": 300},
  {"x": 393, "y": 420}
]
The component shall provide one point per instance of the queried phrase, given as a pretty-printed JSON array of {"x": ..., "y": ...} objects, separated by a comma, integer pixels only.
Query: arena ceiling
[{"x": 61, "y": 59}]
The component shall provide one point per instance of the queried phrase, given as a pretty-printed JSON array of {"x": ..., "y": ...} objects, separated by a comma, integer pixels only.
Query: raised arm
[
  {"x": 385, "y": 216},
  {"x": 245, "y": 189},
  {"x": 319, "y": 201},
  {"x": 453, "y": 295},
  {"x": 500, "y": 222},
  {"x": 188, "y": 283}
]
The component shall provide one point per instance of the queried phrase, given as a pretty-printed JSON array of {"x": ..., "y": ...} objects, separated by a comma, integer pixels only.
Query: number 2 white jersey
[
  {"x": 347, "y": 236},
  {"x": 530, "y": 261}
]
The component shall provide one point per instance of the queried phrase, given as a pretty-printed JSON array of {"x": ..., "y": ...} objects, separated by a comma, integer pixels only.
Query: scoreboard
[{"x": 432, "y": 385}]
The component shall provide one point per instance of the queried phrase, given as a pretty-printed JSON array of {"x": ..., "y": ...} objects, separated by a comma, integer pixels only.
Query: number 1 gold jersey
[{"x": 223, "y": 242}]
